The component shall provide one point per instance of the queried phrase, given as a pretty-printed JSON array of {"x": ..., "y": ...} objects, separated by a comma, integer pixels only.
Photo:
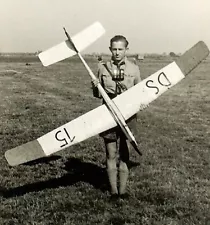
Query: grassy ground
[{"x": 168, "y": 185}]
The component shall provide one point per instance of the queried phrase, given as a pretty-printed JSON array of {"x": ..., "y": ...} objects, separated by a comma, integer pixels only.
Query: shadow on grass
[
  {"x": 78, "y": 171},
  {"x": 132, "y": 164},
  {"x": 44, "y": 160}
]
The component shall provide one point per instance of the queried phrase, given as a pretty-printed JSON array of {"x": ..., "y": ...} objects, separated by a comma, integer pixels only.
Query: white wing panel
[{"x": 81, "y": 40}]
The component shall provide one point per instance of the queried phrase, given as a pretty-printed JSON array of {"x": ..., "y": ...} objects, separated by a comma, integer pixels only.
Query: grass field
[{"x": 168, "y": 185}]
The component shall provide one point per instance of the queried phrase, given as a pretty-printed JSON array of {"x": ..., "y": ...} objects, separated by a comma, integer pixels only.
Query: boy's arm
[
  {"x": 137, "y": 76},
  {"x": 96, "y": 93}
]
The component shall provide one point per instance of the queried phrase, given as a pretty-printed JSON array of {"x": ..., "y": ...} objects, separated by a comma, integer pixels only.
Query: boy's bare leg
[
  {"x": 123, "y": 177},
  {"x": 123, "y": 168},
  {"x": 111, "y": 160}
]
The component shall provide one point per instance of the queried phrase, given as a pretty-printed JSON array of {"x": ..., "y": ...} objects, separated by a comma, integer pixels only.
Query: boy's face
[{"x": 118, "y": 50}]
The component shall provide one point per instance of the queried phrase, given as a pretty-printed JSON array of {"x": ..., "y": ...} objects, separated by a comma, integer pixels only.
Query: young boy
[{"x": 116, "y": 76}]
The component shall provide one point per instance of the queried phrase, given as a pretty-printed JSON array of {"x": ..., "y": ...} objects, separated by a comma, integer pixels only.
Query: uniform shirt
[{"x": 131, "y": 75}]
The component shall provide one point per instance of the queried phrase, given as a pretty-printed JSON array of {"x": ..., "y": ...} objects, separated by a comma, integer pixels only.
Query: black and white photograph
[{"x": 104, "y": 112}]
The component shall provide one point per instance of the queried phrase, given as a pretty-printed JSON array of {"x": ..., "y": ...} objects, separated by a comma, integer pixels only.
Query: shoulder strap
[{"x": 122, "y": 86}]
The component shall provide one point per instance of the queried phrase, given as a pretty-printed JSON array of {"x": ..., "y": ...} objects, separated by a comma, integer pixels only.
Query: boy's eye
[{"x": 115, "y": 49}]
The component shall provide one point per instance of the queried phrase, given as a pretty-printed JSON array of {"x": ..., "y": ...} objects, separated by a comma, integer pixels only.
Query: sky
[{"x": 151, "y": 26}]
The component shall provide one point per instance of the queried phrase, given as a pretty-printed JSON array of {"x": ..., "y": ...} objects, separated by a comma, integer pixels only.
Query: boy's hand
[
  {"x": 143, "y": 106},
  {"x": 95, "y": 82}
]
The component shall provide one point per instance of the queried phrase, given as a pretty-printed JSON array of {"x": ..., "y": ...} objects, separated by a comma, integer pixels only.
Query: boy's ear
[{"x": 110, "y": 49}]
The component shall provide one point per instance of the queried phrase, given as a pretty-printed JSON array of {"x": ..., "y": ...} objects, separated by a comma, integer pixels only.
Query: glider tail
[{"x": 65, "y": 49}]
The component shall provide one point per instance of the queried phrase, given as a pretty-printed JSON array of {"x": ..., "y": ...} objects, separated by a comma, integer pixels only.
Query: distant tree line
[{"x": 29, "y": 57}]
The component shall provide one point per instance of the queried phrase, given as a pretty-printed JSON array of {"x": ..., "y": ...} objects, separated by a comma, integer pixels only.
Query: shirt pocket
[
  {"x": 129, "y": 80},
  {"x": 107, "y": 81}
]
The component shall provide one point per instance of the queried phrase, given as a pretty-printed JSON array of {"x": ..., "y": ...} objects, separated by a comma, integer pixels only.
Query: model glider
[
  {"x": 91, "y": 123},
  {"x": 109, "y": 103},
  {"x": 74, "y": 46}
]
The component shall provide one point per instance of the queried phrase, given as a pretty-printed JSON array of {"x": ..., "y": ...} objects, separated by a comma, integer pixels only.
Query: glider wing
[{"x": 100, "y": 119}]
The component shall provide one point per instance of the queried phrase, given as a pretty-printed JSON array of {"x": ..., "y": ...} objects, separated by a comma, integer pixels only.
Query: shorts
[{"x": 114, "y": 133}]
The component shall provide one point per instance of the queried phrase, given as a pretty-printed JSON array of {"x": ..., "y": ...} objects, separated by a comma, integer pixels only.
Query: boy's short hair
[{"x": 119, "y": 38}]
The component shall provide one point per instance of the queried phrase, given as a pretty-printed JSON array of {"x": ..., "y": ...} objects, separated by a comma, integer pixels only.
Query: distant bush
[{"x": 172, "y": 54}]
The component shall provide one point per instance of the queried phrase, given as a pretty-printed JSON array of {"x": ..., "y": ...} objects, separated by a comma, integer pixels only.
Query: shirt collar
[{"x": 123, "y": 62}]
